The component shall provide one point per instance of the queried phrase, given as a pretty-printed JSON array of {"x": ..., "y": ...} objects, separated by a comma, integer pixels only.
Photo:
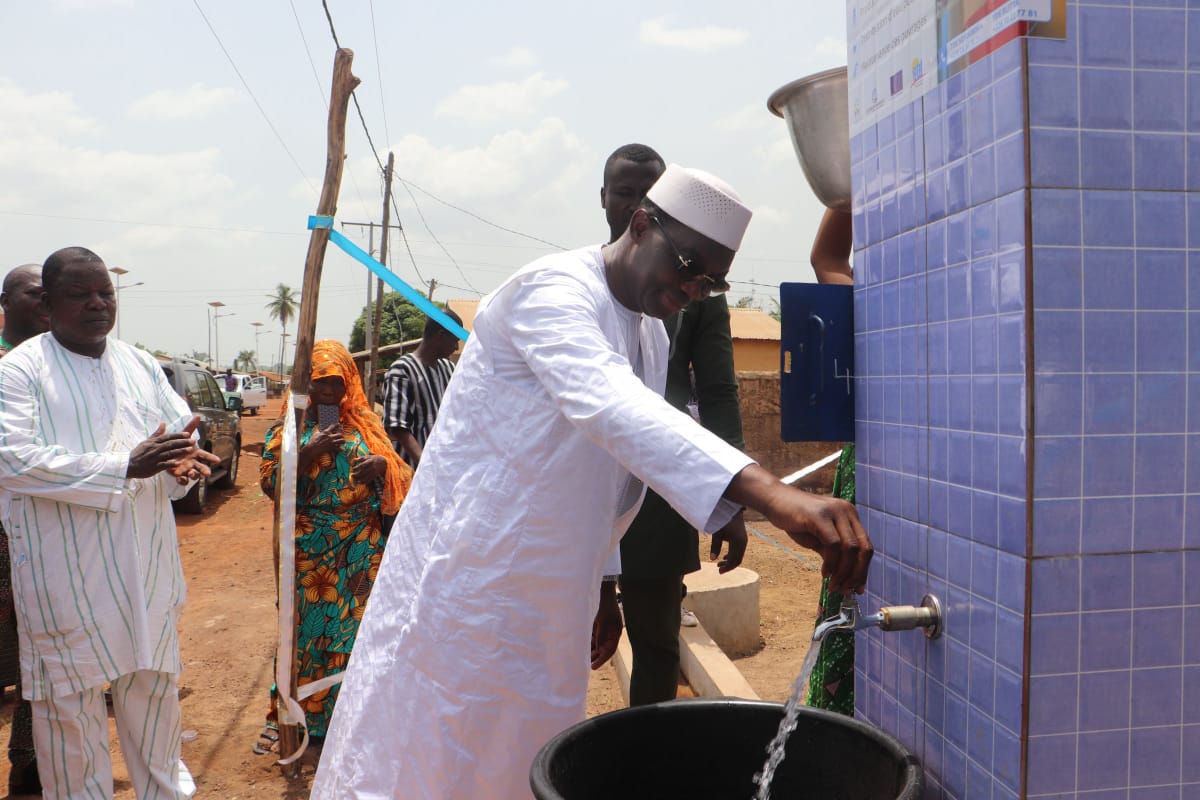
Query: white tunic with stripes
[{"x": 97, "y": 580}]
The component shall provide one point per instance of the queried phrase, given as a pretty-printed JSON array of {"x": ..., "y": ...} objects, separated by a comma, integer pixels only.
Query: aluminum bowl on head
[{"x": 817, "y": 113}]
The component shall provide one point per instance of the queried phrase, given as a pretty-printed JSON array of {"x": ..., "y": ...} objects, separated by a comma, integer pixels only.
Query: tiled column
[{"x": 1028, "y": 356}]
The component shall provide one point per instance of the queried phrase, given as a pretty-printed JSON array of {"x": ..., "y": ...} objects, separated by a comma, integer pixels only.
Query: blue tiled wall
[{"x": 1038, "y": 314}]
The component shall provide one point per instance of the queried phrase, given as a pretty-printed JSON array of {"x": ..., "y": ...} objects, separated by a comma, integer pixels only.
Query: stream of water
[{"x": 791, "y": 712}]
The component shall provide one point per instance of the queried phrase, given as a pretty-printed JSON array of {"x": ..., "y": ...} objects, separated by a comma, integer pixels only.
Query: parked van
[{"x": 252, "y": 390}]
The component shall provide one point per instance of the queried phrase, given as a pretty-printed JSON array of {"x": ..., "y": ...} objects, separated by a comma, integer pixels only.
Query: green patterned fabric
[{"x": 831, "y": 685}]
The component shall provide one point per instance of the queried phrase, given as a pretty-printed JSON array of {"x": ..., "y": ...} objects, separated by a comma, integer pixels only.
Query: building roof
[
  {"x": 753, "y": 323},
  {"x": 744, "y": 323}
]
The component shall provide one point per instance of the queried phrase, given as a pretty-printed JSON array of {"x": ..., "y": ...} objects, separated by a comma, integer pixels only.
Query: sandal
[{"x": 268, "y": 741}]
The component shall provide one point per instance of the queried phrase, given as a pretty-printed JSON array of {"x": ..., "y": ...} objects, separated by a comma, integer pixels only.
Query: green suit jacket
[{"x": 660, "y": 543}]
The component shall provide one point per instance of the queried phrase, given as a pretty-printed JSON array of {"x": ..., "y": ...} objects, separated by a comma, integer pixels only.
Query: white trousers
[{"x": 71, "y": 737}]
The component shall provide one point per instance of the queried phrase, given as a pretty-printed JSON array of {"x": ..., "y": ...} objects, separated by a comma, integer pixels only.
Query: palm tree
[
  {"x": 245, "y": 362},
  {"x": 282, "y": 306}
]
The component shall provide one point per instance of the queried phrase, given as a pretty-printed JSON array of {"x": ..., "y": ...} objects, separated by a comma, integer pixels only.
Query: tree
[
  {"x": 245, "y": 362},
  {"x": 748, "y": 301},
  {"x": 402, "y": 322},
  {"x": 282, "y": 306}
]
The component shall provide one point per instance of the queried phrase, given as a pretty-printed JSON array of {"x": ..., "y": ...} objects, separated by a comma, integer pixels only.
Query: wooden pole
[
  {"x": 344, "y": 83},
  {"x": 377, "y": 317}
]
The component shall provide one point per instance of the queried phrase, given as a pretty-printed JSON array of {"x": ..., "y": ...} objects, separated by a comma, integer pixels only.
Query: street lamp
[
  {"x": 257, "y": 330},
  {"x": 119, "y": 271}
]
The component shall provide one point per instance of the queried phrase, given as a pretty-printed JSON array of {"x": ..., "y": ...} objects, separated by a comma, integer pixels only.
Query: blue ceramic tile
[
  {"x": 952, "y": 90},
  {"x": 1009, "y": 105},
  {"x": 1159, "y": 39},
  {"x": 935, "y": 251},
  {"x": 983, "y": 345},
  {"x": 954, "y": 772},
  {"x": 984, "y": 510},
  {"x": 1104, "y": 700},
  {"x": 1108, "y": 522},
  {"x": 983, "y": 470},
  {"x": 983, "y": 230},
  {"x": 1107, "y": 582},
  {"x": 1194, "y": 347},
  {"x": 958, "y": 239},
  {"x": 980, "y": 121},
  {"x": 1193, "y": 36},
  {"x": 1156, "y": 639},
  {"x": 1103, "y": 759},
  {"x": 1191, "y": 628},
  {"x": 1057, "y": 465},
  {"x": 904, "y": 119},
  {"x": 1011, "y": 273},
  {"x": 1105, "y": 640},
  {"x": 1054, "y": 153},
  {"x": 906, "y": 203},
  {"x": 981, "y": 693},
  {"x": 1055, "y": 585},
  {"x": 1053, "y": 704},
  {"x": 1162, "y": 219},
  {"x": 1108, "y": 219},
  {"x": 1058, "y": 341},
  {"x": 1193, "y": 468},
  {"x": 870, "y": 140},
  {"x": 981, "y": 175},
  {"x": 891, "y": 260},
  {"x": 1159, "y": 161},
  {"x": 1190, "y": 704},
  {"x": 1059, "y": 404},
  {"x": 1161, "y": 403},
  {"x": 1006, "y": 765},
  {"x": 1010, "y": 340},
  {"x": 1108, "y": 278},
  {"x": 1011, "y": 534},
  {"x": 935, "y": 195},
  {"x": 1056, "y": 217},
  {"x": 955, "y": 122},
  {"x": 1106, "y": 99},
  {"x": 1010, "y": 639},
  {"x": 1010, "y": 582},
  {"x": 1107, "y": 466},
  {"x": 983, "y": 627},
  {"x": 1010, "y": 164},
  {"x": 1053, "y": 97},
  {"x": 984, "y": 396},
  {"x": 1104, "y": 36},
  {"x": 1159, "y": 101},
  {"x": 936, "y": 332},
  {"x": 1056, "y": 51},
  {"x": 957, "y": 191},
  {"x": 935, "y": 155},
  {"x": 1010, "y": 222},
  {"x": 1107, "y": 341},
  {"x": 959, "y": 465},
  {"x": 1159, "y": 464},
  {"x": 1051, "y": 764},
  {"x": 1162, "y": 340},
  {"x": 1108, "y": 401},
  {"x": 1159, "y": 697},
  {"x": 1107, "y": 159},
  {"x": 1057, "y": 277},
  {"x": 1010, "y": 390},
  {"x": 885, "y": 129},
  {"x": 1008, "y": 699},
  {"x": 1154, "y": 755},
  {"x": 1158, "y": 523},
  {"x": 887, "y": 169},
  {"x": 1010, "y": 456},
  {"x": 1054, "y": 644},
  {"x": 1056, "y": 526},
  {"x": 889, "y": 210},
  {"x": 1192, "y": 182}
]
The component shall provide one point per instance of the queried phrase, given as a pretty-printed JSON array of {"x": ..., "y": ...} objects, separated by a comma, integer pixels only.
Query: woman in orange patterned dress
[{"x": 349, "y": 479}]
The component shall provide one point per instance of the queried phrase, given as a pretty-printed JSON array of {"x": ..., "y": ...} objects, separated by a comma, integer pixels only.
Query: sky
[{"x": 185, "y": 141}]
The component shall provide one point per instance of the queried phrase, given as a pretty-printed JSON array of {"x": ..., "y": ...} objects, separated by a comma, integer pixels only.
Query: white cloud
[
  {"x": 503, "y": 100},
  {"x": 195, "y": 102},
  {"x": 516, "y": 57},
  {"x": 44, "y": 114},
  {"x": 656, "y": 31}
]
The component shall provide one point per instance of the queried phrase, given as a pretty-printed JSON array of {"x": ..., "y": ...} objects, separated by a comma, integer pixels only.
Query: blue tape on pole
[{"x": 390, "y": 278}]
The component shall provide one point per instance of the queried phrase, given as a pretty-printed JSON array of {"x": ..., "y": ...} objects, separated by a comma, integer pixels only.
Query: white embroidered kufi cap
[{"x": 703, "y": 202}]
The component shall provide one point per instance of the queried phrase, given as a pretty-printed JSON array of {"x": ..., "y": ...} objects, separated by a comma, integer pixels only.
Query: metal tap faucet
[{"x": 928, "y": 616}]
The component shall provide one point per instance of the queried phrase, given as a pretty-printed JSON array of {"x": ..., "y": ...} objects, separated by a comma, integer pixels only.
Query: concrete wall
[{"x": 759, "y": 392}]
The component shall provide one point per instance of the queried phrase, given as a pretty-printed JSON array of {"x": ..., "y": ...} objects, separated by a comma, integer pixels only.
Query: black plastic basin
[{"x": 702, "y": 748}]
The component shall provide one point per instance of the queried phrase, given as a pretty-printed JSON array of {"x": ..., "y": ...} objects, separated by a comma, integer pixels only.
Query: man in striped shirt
[
  {"x": 87, "y": 473},
  {"x": 413, "y": 389}
]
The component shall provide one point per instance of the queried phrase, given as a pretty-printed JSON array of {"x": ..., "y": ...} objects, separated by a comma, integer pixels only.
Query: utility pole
[
  {"x": 376, "y": 318},
  {"x": 432, "y": 286}
]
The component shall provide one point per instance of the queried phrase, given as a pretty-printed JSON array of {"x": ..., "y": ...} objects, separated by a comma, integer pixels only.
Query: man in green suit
[{"x": 660, "y": 547}]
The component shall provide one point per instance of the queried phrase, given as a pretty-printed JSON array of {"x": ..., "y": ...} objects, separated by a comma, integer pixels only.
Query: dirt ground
[{"x": 227, "y": 638}]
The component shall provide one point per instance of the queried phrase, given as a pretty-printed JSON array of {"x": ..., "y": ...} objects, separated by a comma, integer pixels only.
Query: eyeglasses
[{"x": 705, "y": 284}]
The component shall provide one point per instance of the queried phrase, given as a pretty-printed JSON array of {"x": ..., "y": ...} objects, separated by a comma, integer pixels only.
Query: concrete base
[
  {"x": 708, "y": 671},
  {"x": 726, "y": 605}
]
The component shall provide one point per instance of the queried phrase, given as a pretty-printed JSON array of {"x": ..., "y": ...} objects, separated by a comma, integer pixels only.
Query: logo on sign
[
  {"x": 897, "y": 82},
  {"x": 918, "y": 71}
]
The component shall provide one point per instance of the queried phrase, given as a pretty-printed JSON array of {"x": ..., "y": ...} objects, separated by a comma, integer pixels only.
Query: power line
[
  {"x": 246, "y": 85},
  {"x": 408, "y": 183},
  {"x": 379, "y": 72},
  {"x": 431, "y": 233}
]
